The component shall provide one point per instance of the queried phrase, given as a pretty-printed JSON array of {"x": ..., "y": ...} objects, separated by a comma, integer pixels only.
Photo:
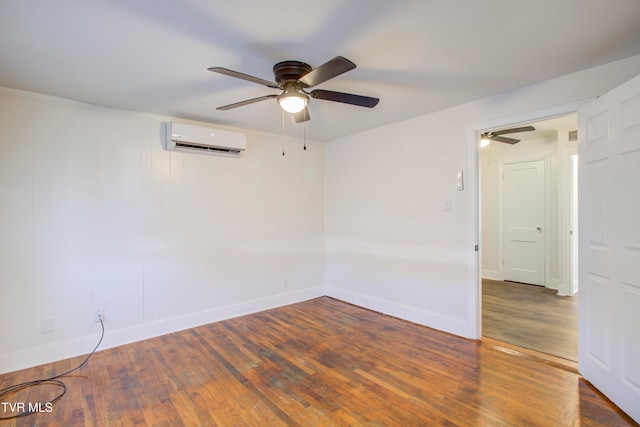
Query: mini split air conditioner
[{"x": 205, "y": 140}]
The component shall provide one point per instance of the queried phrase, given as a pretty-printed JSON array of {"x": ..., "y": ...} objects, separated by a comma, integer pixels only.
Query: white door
[
  {"x": 609, "y": 245},
  {"x": 523, "y": 221}
]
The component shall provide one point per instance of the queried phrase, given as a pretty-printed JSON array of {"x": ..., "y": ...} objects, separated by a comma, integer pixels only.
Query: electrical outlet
[
  {"x": 285, "y": 282},
  {"x": 98, "y": 315}
]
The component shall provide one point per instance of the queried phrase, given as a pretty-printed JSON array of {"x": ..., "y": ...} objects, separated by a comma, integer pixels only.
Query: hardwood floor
[
  {"x": 319, "y": 362},
  {"x": 531, "y": 316}
]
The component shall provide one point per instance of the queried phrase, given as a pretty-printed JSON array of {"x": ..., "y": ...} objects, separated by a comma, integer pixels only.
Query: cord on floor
[{"x": 54, "y": 380}]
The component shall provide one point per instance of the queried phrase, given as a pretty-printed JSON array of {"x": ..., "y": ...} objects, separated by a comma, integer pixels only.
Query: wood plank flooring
[
  {"x": 530, "y": 316},
  {"x": 317, "y": 363}
]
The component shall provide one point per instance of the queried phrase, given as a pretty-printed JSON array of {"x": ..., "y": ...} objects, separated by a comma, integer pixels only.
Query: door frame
[
  {"x": 474, "y": 302},
  {"x": 547, "y": 212},
  {"x": 568, "y": 207}
]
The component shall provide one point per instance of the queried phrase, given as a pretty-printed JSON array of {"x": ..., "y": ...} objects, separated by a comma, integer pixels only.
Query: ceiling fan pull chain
[
  {"x": 282, "y": 139},
  {"x": 305, "y": 129}
]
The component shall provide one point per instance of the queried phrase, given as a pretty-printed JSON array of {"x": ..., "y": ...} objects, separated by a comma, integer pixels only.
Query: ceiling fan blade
[
  {"x": 243, "y": 76},
  {"x": 247, "y": 102},
  {"x": 302, "y": 116},
  {"x": 346, "y": 98},
  {"x": 326, "y": 71},
  {"x": 504, "y": 139},
  {"x": 514, "y": 130}
]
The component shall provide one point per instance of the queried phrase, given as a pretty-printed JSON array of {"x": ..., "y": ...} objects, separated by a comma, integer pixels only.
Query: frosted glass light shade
[{"x": 292, "y": 103}]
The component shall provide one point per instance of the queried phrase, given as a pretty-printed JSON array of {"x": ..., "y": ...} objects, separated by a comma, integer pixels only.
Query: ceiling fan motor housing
[{"x": 290, "y": 71}]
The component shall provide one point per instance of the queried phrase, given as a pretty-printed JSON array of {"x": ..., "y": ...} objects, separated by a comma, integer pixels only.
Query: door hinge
[{"x": 476, "y": 248}]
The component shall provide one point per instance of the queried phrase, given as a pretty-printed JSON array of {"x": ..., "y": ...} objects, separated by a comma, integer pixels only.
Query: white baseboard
[
  {"x": 553, "y": 284},
  {"x": 491, "y": 275},
  {"x": 413, "y": 314},
  {"x": 565, "y": 290},
  {"x": 23, "y": 359}
]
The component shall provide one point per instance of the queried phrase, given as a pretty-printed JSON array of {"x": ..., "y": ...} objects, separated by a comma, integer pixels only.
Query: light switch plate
[{"x": 46, "y": 325}]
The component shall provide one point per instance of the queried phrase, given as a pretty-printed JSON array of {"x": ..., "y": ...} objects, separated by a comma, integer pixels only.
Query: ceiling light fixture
[
  {"x": 484, "y": 141},
  {"x": 292, "y": 100}
]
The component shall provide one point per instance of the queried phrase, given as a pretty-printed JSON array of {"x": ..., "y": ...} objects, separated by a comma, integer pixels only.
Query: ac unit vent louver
[
  {"x": 204, "y": 140},
  {"x": 203, "y": 148}
]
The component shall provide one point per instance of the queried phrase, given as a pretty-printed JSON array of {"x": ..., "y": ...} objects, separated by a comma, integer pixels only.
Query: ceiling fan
[
  {"x": 293, "y": 78},
  {"x": 487, "y": 137}
]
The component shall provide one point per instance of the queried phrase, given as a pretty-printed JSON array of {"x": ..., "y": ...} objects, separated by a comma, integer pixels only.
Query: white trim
[
  {"x": 14, "y": 361},
  {"x": 433, "y": 320},
  {"x": 552, "y": 284},
  {"x": 565, "y": 287},
  {"x": 474, "y": 258},
  {"x": 491, "y": 275}
]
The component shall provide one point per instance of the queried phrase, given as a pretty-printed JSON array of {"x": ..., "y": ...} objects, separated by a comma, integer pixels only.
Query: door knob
[{"x": 539, "y": 228}]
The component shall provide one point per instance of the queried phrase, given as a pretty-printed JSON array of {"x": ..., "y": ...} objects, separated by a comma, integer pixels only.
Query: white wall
[
  {"x": 94, "y": 213},
  {"x": 389, "y": 244}
]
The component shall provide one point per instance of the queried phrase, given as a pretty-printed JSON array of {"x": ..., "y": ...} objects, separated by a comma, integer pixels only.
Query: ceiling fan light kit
[
  {"x": 293, "y": 100},
  {"x": 293, "y": 77}
]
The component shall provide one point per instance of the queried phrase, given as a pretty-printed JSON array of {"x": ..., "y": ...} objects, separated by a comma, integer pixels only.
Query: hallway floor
[{"x": 530, "y": 316}]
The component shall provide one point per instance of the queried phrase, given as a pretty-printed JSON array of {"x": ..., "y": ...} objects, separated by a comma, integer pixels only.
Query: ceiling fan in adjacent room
[
  {"x": 496, "y": 135},
  {"x": 293, "y": 78}
]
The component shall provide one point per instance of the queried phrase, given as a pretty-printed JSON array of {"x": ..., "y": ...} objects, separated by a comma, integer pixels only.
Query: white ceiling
[{"x": 416, "y": 56}]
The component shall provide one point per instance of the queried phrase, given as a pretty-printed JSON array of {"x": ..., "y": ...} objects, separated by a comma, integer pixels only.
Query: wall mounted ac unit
[{"x": 206, "y": 140}]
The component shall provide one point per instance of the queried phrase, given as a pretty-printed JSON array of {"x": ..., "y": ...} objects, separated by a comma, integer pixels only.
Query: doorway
[{"x": 538, "y": 251}]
